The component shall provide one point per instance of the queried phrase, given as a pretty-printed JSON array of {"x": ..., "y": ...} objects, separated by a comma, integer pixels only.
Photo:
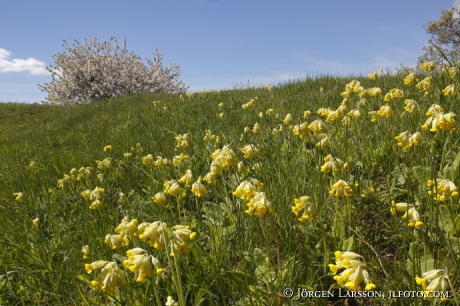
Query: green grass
[{"x": 236, "y": 259}]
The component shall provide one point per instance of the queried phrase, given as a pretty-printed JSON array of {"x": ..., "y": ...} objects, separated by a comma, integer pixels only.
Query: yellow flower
[
  {"x": 156, "y": 234},
  {"x": 187, "y": 178},
  {"x": 178, "y": 159},
  {"x": 424, "y": 84},
  {"x": 428, "y": 66},
  {"x": 96, "y": 205},
  {"x": 410, "y": 79},
  {"x": 220, "y": 105},
  {"x": 198, "y": 188},
  {"x": 323, "y": 143},
  {"x": 36, "y": 222},
  {"x": 107, "y": 148},
  {"x": 306, "y": 114},
  {"x": 410, "y": 105},
  {"x": 172, "y": 188},
  {"x": 182, "y": 140},
  {"x": 318, "y": 127},
  {"x": 249, "y": 104},
  {"x": 246, "y": 190},
  {"x": 304, "y": 203},
  {"x": 288, "y": 119},
  {"x": 372, "y": 76},
  {"x": 250, "y": 151},
  {"x": 259, "y": 205},
  {"x": 450, "y": 90},
  {"x": 393, "y": 94},
  {"x": 140, "y": 263},
  {"x": 127, "y": 155},
  {"x": 115, "y": 241},
  {"x": 444, "y": 190},
  {"x": 406, "y": 140},
  {"x": 127, "y": 228},
  {"x": 410, "y": 213},
  {"x": 180, "y": 238},
  {"x": 301, "y": 130},
  {"x": 104, "y": 164},
  {"x": 171, "y": 302},
  {"x": 19, "y": 196},
  {"x": 374, "y": 92},
  {"x": 256, "y": 128},
  {"x": 86, "y": 251},
  {"x": 354, "y": 113},
  {"x": 385, "y": 112},
  {"x": 435, "y": 280},
  {"x": 270, "y": 111},
  {"x": 331, "y": 164},
  {"x": 341, "y": 188},
  {"x": 109, "y": 278},
  {"x": 95, "y": 265},
  {"x": 159, "y": 198}
]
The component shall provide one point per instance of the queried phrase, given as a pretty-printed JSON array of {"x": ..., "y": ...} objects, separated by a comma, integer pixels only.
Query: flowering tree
[
  {"x": 94, "y": 71},
  {"x": 444, "y": 44}
]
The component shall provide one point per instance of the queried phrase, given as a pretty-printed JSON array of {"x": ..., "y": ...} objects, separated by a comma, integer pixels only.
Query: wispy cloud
[{"x": 30, "y": 64}]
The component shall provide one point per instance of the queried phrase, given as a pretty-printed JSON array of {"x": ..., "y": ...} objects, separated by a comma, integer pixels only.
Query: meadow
[{"x": 236, "y": 197}]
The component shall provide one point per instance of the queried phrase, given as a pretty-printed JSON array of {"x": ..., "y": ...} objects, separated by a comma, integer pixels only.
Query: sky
[{"x": 218, "y": 44}]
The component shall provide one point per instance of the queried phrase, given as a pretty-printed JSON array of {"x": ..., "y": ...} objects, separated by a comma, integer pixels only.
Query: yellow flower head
[
  {"x": 341, "y": 188},
  {"x": 107, "y": 148},
  {"x": 198, "y": 188},
  {"x": 372, "y": 76},
  {"x": 259, "y": 205},
  {"x": 304, "y": 203},
  {"x": 159, "y": 198},
  {"x": 288, "y": 119},
  {"x": 250, "y": 151},
  {"x": 410, "y": 79},
  {"x": 427, "y": 66}
]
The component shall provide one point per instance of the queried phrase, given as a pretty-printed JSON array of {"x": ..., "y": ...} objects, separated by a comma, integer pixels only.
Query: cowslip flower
[
  {"x": 424, "y": 84},
  {"x": 410, "y": 105},
  {"x": 259, "y": 205},
  {"x": 159, "y": 198},
  {"x": 198, "y": 188},
  {"x": 450, "y": 90},
  {"x": 354, "y": 113},
  {"x": 107, "y": 148},
  {"x": 156, "y": 234},
  {"x": 109, "y": 278},
  {"x": 246, "y": 191},
  {"x": 309, "y": 210},
  {"x": 36, "y": 222},
  {"x": 372, "y": 76},
  {"x": 435, "y": 280},
  {"x": 406, "y": 140},
  {"x": 410, "y": 213},
  {"x": 187, "y": 179},
  {"x": 354, "y": 273},
  {"x": 127, "y": 228},
  {"x": 393, "y": 94},
  {"x": 172, "y": 188},
  {"x": 182, "y": 140},
  {"x": 171, "y": 302},
  {"x": 318, "y": 127},
  {"x": 306, "y": 114},
  {"x": 142, "y": 264},
  {"x": 301, "y": 130},
  {"x": 410, "y": 79},
  {"x": 332, "y": 164},
  {"x": 427, "y": 66},
  {"x": 96, "y": 205},
  {"x": 323, "y": 143},
  {"x": 250, "y": 151},
  {"x": 104, "y": 164},
  {"x": 180, "y": 237},
  {"x": 115, "y": 241},
  {"x": 374, "y": 92},
  {"x": 86, "y": 251},
  {"x": 270, "y": 112},
  {"x": 342, "y": 188},
  {"x": 19, "y": 196},
  {"x": 288, "y": 119},
  {"x": 445, "y": 189}
]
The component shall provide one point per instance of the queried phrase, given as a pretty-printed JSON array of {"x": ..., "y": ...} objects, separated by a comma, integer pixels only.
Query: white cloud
[{"x": 31, "y": 64}]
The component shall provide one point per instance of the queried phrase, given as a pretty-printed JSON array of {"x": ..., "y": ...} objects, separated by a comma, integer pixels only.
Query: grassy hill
[{"x": 270, "y": 201}]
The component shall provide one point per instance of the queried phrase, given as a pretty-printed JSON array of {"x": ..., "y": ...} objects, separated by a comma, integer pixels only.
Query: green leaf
[
  {"x": 264, "y": 273},
  {"x": 347, "y": 244}
]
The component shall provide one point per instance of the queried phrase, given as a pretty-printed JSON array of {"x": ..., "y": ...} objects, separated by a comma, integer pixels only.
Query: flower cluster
[
  {"x": 406, "y": 140},
  {"x": 438, "y": 120},
  {"x": 411, "y": 215},
  {"x": 309, "y": 210},
  {"x": 434, "y": 281},
  {"x": 443, "y": 189},
  {"x": 354, "y": 273}
]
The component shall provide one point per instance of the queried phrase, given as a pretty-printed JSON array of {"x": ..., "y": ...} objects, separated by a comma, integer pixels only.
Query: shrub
[{"x": 94, "y": 71}]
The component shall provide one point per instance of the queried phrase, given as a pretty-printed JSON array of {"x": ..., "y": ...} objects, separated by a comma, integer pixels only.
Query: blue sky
[{"x": 219, "y": 44}]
